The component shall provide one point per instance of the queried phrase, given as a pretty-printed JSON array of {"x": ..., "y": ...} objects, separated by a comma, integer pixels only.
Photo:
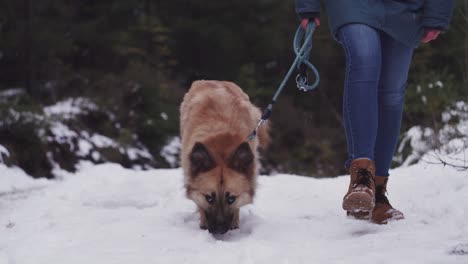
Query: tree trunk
[
  {"x": 465, "y": 77},
  {"x": 27, "y": 46}
]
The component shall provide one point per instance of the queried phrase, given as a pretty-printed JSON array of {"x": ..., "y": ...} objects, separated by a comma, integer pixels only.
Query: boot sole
[
  {"x": 358, "y": 202},
  {"x": 361, "y": 215}
]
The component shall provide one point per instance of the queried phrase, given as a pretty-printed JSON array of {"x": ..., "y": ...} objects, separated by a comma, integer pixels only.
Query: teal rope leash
[{"x": 301, "y": 63}]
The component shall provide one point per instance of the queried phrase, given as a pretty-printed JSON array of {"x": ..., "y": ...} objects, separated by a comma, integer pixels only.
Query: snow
[
  {"x": 70, "y": 108},
  {"x": 87, "y": 143},
  {"x": 439, "y": 84},
  {"x": 164, "y": 116},
  {"x": 3, "y": 152},
  {"x": 84, "y": 147},
  {"x": 62, "y": 133},
  {"x": 134, "y": 153},
  {"x": 11, "y": 93},
  {"x": 14, "y": 116},
  {"x": 15, "y": 181},
  {"x": 101, "y": 141},
  {"x": 96, "y": 156},
  {"x": 171, "y": 151},
  {"x": 420, "y": 141},
  {"x": 424, "y": 99},
  {"x": 108, "y": 214}
]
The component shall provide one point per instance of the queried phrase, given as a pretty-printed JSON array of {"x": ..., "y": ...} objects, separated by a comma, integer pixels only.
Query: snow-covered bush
[
  {"x": 450, "y": 139},
  {"x": 43, "y": 141}
]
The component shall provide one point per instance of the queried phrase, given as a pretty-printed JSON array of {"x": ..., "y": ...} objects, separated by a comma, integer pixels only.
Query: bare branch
[{"x": 449, "y": 161}]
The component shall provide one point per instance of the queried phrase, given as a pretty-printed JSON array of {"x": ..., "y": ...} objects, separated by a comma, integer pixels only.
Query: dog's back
[{"x": 213, "y": 108}]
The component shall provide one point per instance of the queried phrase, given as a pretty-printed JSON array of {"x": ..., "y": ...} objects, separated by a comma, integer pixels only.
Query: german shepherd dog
[{"x": 219, "y": 163}]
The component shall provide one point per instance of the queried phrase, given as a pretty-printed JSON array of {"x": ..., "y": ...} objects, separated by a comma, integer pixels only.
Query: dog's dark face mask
[
  {"x": 233, "y": 189},
  {"x": 220, "y": 214}
]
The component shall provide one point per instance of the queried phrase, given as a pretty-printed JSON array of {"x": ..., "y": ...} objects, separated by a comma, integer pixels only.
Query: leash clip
[
  {"x": 254, "y": 132},
  {"x": 301, "y": 82}
]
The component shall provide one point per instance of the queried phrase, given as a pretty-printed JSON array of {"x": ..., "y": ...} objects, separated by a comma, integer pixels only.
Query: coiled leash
[{"x": 301, "y": 63}]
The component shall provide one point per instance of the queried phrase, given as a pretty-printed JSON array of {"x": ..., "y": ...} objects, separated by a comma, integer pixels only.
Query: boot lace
[
  {"x": 363, "y": 177},
  {"x": 380, "y": 196}
]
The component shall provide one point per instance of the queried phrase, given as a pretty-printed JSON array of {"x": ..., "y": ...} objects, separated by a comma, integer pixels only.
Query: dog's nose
[{"x": 218, "y": 229}]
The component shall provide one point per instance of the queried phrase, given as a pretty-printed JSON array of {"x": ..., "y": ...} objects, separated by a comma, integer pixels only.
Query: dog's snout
[
  {"x": 219, "y": 220},
  {"x": 219, "y": 229},
  {"x": 219, "y": 224}
]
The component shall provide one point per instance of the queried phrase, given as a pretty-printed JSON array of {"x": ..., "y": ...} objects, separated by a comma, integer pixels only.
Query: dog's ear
[
  {"x": 242, "y": 159},
  {"x": 200, "y": 159}
]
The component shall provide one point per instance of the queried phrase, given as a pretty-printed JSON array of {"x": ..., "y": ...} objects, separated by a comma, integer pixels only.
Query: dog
[{"x": 219, "y": 162}]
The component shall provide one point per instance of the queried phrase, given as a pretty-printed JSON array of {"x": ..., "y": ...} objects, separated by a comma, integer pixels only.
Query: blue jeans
[{"x": 376, "y": 73}]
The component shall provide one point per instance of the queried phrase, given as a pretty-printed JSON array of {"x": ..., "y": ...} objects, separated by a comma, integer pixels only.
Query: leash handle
[
  {"x": 302, "y": 46},
  {"x": 304, "y": 37}
]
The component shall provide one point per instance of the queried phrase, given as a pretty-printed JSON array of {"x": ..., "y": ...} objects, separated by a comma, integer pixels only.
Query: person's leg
[
  {"x": 396, "y": 60},
  {"x": 362, "y": 48},
  {"x": 363, "y": 65}
]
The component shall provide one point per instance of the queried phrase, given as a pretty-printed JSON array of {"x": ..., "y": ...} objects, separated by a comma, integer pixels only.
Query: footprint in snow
[{"x": 460, "y": 249}]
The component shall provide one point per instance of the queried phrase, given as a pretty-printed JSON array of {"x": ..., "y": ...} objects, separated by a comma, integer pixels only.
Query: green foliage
[
  {"x": 19, "y": 129},
  {"x": 429, "y": 94}
]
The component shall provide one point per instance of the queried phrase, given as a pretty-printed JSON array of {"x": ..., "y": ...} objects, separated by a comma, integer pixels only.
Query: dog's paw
[{"x": 204, "y": 227}]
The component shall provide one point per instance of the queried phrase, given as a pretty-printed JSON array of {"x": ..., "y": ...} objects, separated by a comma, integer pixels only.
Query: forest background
[{"x": 102, "y": 81}]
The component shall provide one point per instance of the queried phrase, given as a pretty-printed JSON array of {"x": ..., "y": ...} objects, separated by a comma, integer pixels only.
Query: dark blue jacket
[{"x": 404, "y": 20}]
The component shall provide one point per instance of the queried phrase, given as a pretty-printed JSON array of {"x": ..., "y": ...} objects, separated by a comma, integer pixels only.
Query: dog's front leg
[
  {"x": 203, "y": 224},
  {"x": 235, "y": 219}
]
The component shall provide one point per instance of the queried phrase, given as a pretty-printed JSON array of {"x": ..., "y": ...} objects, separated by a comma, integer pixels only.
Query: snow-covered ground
[{"x": 107, "y": 214}]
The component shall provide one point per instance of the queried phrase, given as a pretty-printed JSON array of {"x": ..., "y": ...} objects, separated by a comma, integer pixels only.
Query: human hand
[
  {"x": 305, "y": 21},
  {"x": 430, "y": 35}
]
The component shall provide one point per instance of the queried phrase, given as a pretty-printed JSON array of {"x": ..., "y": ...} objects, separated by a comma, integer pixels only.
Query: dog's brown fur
[{"x": 218, "y": 161}]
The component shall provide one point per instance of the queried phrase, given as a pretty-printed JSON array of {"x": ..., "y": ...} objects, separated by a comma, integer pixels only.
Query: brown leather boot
[
  {"x": 359, "y": 200},
  {"x": 383, "y": 210}
]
